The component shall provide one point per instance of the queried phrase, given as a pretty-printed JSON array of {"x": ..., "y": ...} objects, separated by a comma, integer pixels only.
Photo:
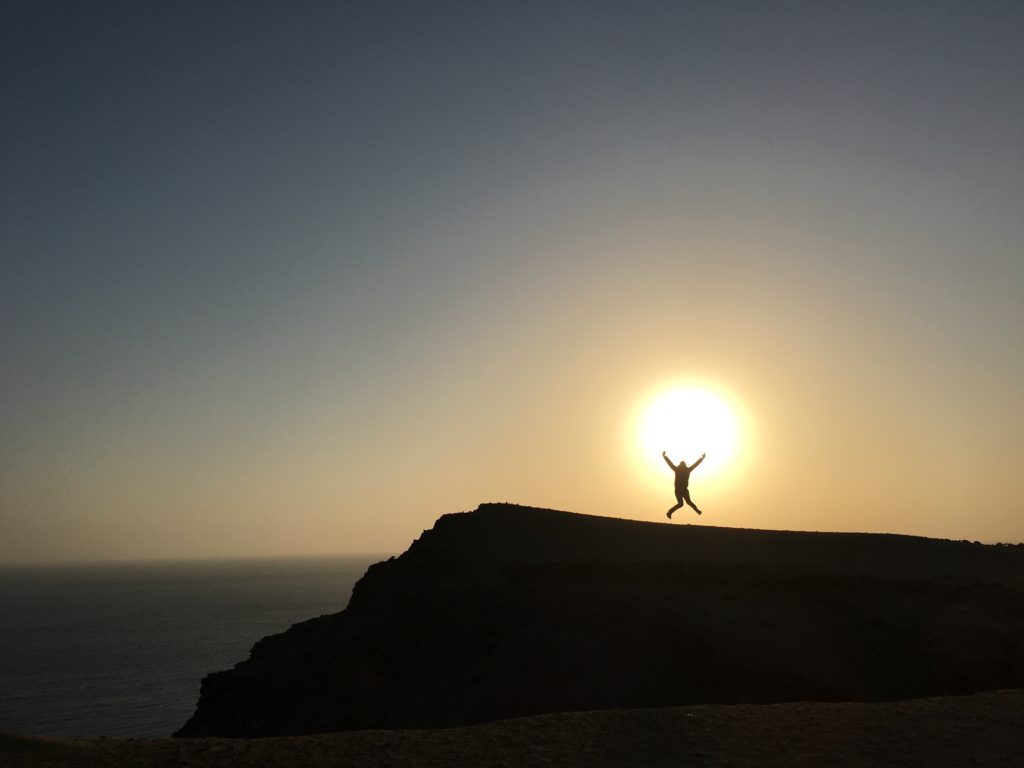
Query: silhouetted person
[{"x": 682, "y": 483}]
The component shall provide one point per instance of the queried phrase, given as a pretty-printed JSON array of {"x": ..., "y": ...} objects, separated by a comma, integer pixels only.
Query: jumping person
[{"x": 682, "y": 483}]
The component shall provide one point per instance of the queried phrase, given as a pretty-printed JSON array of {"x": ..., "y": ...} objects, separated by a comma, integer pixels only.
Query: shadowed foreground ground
[{"x": 984, "y": 730}]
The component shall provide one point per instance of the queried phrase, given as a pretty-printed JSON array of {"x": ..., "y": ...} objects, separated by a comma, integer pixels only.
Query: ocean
[{"x": 120, "y": 649}]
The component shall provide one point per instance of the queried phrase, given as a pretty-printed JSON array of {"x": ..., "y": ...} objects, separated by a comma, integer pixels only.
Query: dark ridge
[{"x": 509, "y": 611}]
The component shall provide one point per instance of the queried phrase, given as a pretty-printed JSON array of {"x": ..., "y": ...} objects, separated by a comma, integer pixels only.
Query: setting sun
[{"x": 686, "y": 422}]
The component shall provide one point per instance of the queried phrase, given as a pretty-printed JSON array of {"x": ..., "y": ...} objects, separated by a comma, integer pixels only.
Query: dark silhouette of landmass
[{"x": 509, "y": 611}]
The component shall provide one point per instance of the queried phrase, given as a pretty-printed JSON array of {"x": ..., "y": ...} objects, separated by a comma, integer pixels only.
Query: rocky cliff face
[{"x": 511, "y": 610}]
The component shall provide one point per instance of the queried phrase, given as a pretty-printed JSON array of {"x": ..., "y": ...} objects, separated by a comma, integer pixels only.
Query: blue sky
[{"x": 300, "y": 277}]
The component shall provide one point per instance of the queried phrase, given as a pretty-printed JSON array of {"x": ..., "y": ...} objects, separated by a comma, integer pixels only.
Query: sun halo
[{"x": 686, "y": 422}]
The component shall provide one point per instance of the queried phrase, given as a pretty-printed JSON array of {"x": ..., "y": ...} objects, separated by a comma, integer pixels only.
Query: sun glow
[{"x": 686, "y": 422}]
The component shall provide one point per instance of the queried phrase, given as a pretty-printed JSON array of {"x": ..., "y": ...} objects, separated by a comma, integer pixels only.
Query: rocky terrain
[{"x": 510, "y": 611}]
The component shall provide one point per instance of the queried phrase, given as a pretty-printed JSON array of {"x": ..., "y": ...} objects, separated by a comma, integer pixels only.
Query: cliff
[{"x": 509, "y": 611}]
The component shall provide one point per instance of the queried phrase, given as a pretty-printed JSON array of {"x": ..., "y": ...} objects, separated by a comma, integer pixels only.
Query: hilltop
[{"x": 509, "y": 611}]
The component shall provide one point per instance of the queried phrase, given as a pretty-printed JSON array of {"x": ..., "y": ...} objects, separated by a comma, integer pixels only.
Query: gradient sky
[{"x": 286, "y": 278}]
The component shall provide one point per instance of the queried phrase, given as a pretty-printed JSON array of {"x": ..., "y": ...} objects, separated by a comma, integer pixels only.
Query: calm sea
[{"x": 119, "y": 650}]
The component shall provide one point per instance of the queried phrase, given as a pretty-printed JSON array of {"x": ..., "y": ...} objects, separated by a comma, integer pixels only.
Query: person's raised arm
[
  {"x": 668, "y": 461},
  {"x": 698, "y": 461}
]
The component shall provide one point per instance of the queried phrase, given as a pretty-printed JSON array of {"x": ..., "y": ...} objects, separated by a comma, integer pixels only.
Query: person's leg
[
  {"x": 686, "y": 495},
  {"x": 679, "y": 504}
]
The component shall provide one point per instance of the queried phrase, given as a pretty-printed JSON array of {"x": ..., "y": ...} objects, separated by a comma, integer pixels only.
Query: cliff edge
[{"x": 509, "y": 611}]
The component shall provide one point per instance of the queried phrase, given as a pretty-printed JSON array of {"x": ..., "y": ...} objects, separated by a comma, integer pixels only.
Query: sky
[{"x": 298, "y": 278}]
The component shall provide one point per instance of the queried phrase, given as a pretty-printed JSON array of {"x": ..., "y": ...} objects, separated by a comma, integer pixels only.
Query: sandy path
[{"x": 981, "y": 730}]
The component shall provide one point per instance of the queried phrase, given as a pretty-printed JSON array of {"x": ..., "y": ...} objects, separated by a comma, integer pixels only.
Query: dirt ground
[{"x": 981, "y": 730}]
